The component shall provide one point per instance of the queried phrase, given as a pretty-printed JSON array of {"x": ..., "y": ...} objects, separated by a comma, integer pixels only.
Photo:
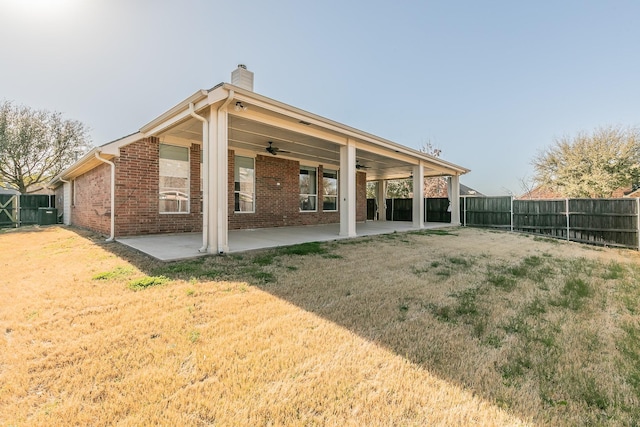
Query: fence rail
[{"x": 606, "y": 222}]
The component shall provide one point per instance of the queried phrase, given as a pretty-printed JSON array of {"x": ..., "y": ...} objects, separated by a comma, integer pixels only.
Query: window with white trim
[
  {"x": 308, "y": 189},
  {"x": 174, "y": 179},
  {"x": 244, "y": 184},
  {"x": 329, "y": 190}
]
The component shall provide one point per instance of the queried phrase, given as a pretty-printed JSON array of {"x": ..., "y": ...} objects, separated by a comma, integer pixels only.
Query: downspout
[
  {"x": 205, "y": 177},
  {"x": 113, "y": 195}
]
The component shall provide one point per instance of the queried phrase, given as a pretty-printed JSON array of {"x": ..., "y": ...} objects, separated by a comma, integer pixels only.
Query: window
[
  {"x": 244, "y": 184},
  {"x": 329, "y": 190},
  {"x": 174, "y": 179},
  {"x": 308, "y": 188}
]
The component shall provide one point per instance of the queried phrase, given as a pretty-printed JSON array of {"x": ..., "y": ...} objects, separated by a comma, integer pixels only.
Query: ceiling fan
[
  {"x": 360, "y": 166},
  {"x": 274, "y": 150}
]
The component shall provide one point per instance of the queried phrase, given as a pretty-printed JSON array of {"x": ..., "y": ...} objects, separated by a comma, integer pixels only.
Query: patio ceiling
[{"x": 254, "y": 136}]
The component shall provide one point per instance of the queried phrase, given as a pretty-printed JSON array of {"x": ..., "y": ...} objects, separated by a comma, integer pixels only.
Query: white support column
[
  {"x": 211, "y": 188},
  {"x": 418, "y": 196},
  {"x": 222, "y": 181},
  {"x": 66, "y": 203},
  {"x": 381, "y": 200},
  {"x": 454, "y": 199},
  {"x": 348, "y": 189}
]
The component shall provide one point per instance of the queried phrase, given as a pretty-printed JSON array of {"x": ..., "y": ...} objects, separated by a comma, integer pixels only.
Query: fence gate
[
  {"x": 9, "y": 210},
  {"x": 24, "y": 209}
]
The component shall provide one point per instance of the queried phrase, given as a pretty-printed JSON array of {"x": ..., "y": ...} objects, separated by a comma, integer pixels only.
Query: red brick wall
[
  {"x": 137, "y": 183},
  {"x": 92, "y": 207},
  {"x": 137, "y": 172},
  {"x": 279, "y": 205}
]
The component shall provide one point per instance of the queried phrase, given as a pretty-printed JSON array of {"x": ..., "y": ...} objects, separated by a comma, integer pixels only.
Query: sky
[{"x": 490, "y": 83}]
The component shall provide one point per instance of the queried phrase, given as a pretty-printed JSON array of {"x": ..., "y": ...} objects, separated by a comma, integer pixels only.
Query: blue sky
[{"x": 490, "y": 83}]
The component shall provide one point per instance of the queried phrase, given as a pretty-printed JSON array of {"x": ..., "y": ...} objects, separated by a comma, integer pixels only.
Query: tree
[
  {"x": 591, "y": 165},
  {"x": 434, "y": 186},
  {"x": 36, "y": 145},
  {"x": 403, "y": 188}
]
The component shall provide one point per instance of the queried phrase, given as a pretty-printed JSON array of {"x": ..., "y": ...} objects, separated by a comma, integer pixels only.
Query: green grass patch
[
  {"x": 435, "y": 232},
  {"x": 190, "y": 268},
  {"x": 309, "y": 248},
  {"x": 574, "y": 293},
  {"x": 444, "y": 273},
  {"x": 332, "y": 256},
  {"x": 147, "y": 282},
  {"x": 614, "y": 271},
  {"x": 264, "y": 259},
  {"x": 116, "y": 273},
  {"x": 194, "y": 336},
  {"x": 501, "y": 281}
]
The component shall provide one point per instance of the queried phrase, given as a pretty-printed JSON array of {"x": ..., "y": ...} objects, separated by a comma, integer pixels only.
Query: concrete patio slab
[{"x": 173, "y": 247}]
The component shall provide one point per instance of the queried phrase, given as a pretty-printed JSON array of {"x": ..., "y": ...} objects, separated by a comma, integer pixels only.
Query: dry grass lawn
[{"x": 470, "y": 327}]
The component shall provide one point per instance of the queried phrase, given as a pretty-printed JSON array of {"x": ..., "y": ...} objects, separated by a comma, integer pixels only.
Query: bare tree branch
[{"x": 36, "y": 145}]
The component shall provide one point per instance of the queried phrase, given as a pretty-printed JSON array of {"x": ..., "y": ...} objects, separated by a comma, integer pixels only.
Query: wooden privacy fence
[
  {"x": 22, "y": 209},
  {"x": 435, "y": 209},
  {"x": 607, "y": 222}
]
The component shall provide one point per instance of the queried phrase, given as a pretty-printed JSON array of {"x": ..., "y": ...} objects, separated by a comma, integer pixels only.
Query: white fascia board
[
  {"x": 322, "y": 122},
  {"x": 113, "y": 148},
  {"x": 82, "y": 163},
  {"x": 176, "y": 114}
]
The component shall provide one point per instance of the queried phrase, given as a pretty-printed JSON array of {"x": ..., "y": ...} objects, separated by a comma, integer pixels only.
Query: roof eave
[
  {"x": 247, "y": 95},
  {"x": 180, "y": 107}
]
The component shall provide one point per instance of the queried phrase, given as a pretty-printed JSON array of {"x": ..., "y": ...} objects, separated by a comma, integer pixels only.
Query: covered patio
[{"x": 174, "y": 247}]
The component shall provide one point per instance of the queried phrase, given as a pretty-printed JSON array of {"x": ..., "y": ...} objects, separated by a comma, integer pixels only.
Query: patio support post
[
  {"x": 222, "y": 169},
  {"x": 212, "y": 187},
  {"x": 382, "y": 203},
  {"x": 218, "y": 188},
  {"x": 454, "y": 199},
  {"x": 348, "y": 189},
  {"x": 418, "y": 196}
]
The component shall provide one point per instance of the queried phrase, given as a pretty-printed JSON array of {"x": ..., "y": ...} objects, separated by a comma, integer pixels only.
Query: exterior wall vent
[{"x": 242, "y": 77}]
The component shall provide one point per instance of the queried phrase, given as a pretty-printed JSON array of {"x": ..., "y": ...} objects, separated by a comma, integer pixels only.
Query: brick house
[{"x": 229, "y": 158}]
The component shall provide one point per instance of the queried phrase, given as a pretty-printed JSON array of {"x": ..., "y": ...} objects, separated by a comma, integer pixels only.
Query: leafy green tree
[
  {"x": 36, "y": 145},
  {"x": 591, "y": 164}
]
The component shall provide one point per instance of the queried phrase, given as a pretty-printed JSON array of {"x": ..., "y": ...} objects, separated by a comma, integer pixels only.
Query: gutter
[{"x": 113, "y": 196}]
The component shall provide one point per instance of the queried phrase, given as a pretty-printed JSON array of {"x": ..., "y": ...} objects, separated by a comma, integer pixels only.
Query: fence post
[
  {"x": 18, "y": 209},
  {"x": 392, "y": 209},
  {"x": 638, "y": 220},
  {"x": 511, "y": 216},
  {"x": 566, "y": 204},
  {"x": 465, "y": 211}
]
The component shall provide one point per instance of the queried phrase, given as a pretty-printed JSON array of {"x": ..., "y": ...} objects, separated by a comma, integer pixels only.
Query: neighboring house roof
[
  {"x": 5, "y": 190},
  {"x": 468, "y": 191},
  {"x": 307, "y": 136},
  {"x": 437, "y": 187},
  {"x": 541, "y": 192}
]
